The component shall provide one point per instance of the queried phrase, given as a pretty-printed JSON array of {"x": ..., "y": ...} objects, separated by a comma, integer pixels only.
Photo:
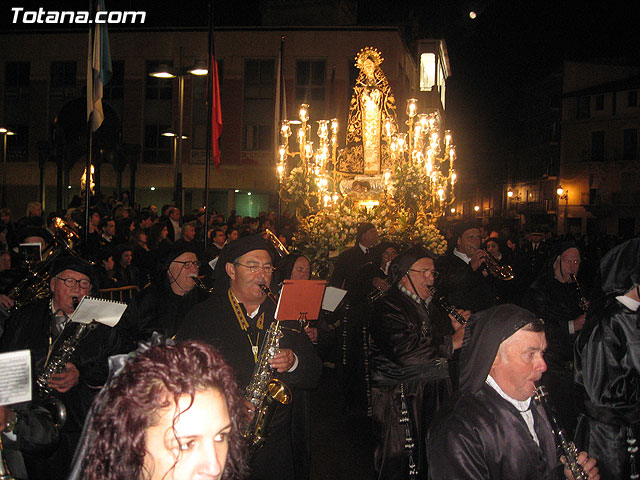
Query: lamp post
[
  {"x": 4, "y": 132},
  {"x": 563, "y": 195},
  {"x": 163, "y": 71}
]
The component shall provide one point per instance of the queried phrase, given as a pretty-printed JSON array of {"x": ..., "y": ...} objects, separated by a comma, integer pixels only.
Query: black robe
[
  {"x": 403, "y": 359},
  {"x": 214, "y": 321},
  {"x": 608, "y": 366},
  {"x": 557, "y": 304},
  {"x": 29, "y": 329},
  {"x": 482, "y": 436},
  {"x": 157, "y": 309},
  {"x": 462, "y": 286}
]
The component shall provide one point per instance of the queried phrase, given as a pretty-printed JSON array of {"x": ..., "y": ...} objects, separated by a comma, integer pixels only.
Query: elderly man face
[
  {"x": 247, "y": 273},
  {"x": 520, "y": 363},
  {"x": 420, "y": 277},
  {"x": 182, "y": 271},
  {"x": 66, "y": 286}
]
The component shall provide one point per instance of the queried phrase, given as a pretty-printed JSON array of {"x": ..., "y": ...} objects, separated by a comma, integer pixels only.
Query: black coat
[
  {"x": 607, "y": 360},
  {"x": 481, "y": 436},
  {"x": 403, "y": 360},
  {"x": 462, "y": 286},
  {"x": 557, "y": 304},
  {"x": 156, "y": 308},
  {"x": 214, "y": 321},
  {"x": 347, "y": 266},
  {"x": 29, "y": 329}
]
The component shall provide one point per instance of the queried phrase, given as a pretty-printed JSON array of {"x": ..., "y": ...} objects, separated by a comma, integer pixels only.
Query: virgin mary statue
[{"x": 372, "y": 119}]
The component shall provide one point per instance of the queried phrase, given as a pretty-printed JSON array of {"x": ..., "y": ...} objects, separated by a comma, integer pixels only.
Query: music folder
[{"x": 300, "y": 299}]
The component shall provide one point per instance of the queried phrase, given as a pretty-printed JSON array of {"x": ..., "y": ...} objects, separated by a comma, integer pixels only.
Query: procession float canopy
[{"x": 401, "y": 181}]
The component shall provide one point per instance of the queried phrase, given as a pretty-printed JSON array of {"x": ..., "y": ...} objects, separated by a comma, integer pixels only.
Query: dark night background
[{"x": 510, "y": 44}]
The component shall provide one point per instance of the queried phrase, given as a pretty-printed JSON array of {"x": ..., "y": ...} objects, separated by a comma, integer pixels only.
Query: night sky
[{"x": 510, "y": 43}]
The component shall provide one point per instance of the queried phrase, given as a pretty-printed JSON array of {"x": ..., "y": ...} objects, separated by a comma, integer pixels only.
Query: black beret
[
  {"x": 235, "y": 249},
  {"x": 363, "y": 228},
  {"x": 462, "y": 227},
  {"x": 71, "y": 262},
  {"x": 32, "y": 231},
  {"x": 400, "y": 265}
]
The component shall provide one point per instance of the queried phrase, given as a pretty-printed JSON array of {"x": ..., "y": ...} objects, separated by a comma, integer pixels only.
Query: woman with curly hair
[{"x": 169, "y": 412}]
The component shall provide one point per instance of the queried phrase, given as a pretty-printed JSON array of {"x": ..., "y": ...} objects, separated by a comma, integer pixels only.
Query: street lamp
[
  {"x": 163, "y": 71},
  {"x": 563, "y": 195},
  {"x": 4, "y": 132}
]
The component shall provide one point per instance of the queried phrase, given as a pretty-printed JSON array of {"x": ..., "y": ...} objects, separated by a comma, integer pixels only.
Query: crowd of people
[{"x": 439, "y": 357}]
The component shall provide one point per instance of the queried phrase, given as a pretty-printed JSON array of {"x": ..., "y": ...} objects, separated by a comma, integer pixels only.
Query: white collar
[
  {"x": 461, "y": 256},
  {"x": 364, "y": 249},
  {"x": 522, "y": 406},
  {"x": 630, "y": 303}
]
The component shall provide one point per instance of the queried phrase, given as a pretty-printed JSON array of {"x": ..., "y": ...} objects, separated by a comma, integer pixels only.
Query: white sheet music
[
  {"x": 103, "y": 311},
  {"x": 332, "y": 298},
  {"x": 15, "y": 377}
]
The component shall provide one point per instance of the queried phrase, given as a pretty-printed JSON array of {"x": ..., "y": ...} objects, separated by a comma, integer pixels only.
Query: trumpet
[{"x": 504, "y": 272}]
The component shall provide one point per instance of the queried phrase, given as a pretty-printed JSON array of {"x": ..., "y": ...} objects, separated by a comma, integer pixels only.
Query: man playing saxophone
[
  {"x": 235, "y": 320},
  {"x": 42, "y": 326}
]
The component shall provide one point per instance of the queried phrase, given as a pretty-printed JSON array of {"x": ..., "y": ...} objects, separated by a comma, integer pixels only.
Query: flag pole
[
  {"x": 280, "y": 99},
  {"x": 207, "y": 168},
  {"x": 89, "y": 156}
]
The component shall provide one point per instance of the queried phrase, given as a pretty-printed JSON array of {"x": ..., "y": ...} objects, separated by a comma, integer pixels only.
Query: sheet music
[
  {"x": 15, "y": 377},
  {"x": 107, "y": 312},
  {"x": 332, "y": 298}
]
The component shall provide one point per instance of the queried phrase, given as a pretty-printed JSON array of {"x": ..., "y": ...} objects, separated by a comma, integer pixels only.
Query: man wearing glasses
[
  {"x": 409, "y": 374},
  {"x": 163, "y": 305},
  {"x": 41, "y": 327},
  {"x": 235, "y": 320}
]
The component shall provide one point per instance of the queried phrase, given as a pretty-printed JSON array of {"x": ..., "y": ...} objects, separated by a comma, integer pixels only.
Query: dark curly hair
[{"x": 127, "y": 406}]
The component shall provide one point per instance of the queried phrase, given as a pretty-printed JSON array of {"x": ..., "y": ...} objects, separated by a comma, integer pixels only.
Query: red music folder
[{"x": 300, "y": 299}]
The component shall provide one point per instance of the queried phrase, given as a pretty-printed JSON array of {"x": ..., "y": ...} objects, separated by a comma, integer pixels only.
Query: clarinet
[
  {"x": 569, "y": 450},
  {"x": 583, "y": 303},
  {"x": 451, "y": 310}
]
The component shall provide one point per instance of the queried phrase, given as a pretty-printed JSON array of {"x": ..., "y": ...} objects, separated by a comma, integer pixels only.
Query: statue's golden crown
[{"x": 368, "y": 52}]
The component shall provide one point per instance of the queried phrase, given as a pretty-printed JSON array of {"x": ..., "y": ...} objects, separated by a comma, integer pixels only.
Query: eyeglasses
[
  {"x": 71, "y": 282},
  {"x": 189, "y": 263},
  {"x": 255, "y": 268},
  {"x": 433, "y": 273}
]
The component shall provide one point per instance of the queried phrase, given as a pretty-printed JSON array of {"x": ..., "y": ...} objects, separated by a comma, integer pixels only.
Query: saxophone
[
  {"x": 569, "y": 450},
  {"x": 56, "y": 364},
  {"x": 264, "y": 391}
]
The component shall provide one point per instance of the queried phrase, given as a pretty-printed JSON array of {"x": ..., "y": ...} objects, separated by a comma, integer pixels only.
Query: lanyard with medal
[{"x": 244, "y": 324}]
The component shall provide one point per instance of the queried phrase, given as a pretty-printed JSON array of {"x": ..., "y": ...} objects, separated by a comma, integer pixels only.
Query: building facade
[{"x": 44, "y": 76}]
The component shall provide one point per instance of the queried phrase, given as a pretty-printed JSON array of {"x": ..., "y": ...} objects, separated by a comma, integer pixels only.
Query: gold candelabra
[
  {"x": 318, "y": 163},
  {"x": 422, "y": 146}
]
